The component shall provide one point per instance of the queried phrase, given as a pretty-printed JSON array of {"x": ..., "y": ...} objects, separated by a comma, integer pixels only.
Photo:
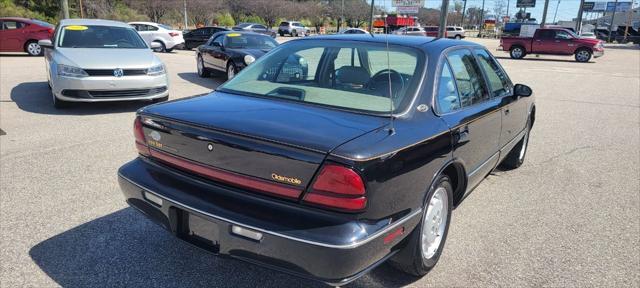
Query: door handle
[{"x": 462, "y": 135}]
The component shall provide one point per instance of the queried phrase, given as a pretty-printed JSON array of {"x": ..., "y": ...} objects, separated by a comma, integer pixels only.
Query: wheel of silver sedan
[
  {"x": 435, "y": 222},
  {"x": 34, "y": 49},
  {"x": 200, "y": 66}
]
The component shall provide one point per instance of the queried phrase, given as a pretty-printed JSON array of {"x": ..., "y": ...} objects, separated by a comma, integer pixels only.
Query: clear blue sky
[{"x": 567, "y": 10}]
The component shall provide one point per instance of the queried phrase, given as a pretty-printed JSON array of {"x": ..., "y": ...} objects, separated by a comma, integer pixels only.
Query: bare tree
[
  {"x": 269, "y": 11},
  {"x": 203, "y": 11},
  {"x": 499, "y": 7},
  {"x": 156, "y": 9}
]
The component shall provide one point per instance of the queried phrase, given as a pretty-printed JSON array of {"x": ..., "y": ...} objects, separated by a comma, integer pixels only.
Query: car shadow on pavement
[
  {"x": 126, "y": 249},
  {"x": 210, "y": 82},
  {"x": 534, "y": 58},
  {"x": 36, "y": 97}
]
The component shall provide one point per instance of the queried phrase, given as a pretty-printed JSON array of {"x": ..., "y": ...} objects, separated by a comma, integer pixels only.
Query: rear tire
[
  {"x": 458, "y": 37},
  {"x": 517, "y": 52},
  {"x": 516, "y": 156},
  {"x": 281, "y": 34},
  {"x": 413, "y": 259},
  {"x": 168, "y": 50},
  {"x": 162, "y": 47},
  {"x": 294, "y": 33},
  {"x": 33, "y": 48},
  {"x": 583, "y": 55}
]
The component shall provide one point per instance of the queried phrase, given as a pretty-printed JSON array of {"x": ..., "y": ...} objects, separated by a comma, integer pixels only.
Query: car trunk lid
[{"x": 250, "y": 139}]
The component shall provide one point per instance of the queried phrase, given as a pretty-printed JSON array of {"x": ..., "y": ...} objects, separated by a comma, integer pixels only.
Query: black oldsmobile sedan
[
  {"x": 230, "y": 52},
  {"x": 331, "y": 154}
]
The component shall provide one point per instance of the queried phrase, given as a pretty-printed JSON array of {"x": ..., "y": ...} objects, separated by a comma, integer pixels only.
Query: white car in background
[
  {"x": 354, "y": 31},
  {"x": 167, "y": 37},
  {"x": 455, "y": 32},
  {"x": 101, "y": 61},
  {"x": 588, "y": 35}
]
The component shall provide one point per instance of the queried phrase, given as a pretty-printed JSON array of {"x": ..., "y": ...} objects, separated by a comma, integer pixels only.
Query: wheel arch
[
  {"x": 581, "y": 47},
  {"x": 24, "y": 46},
  {"x": 455, "y": 171}
]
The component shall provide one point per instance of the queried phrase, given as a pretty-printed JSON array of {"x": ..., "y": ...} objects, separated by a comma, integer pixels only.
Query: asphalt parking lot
[{"x": 570, "y": 216}]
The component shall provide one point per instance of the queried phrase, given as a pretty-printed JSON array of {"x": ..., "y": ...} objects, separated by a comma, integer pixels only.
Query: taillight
[
  {"x": 338, "y": 187},
  {"x": 174, "y": 34},
  {"x": 138, "y": 133}
]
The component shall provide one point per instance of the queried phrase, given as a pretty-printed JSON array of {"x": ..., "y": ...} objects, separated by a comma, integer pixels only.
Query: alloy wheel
[
  {"x": 231, "y": 72},
  {"x": 583, "y": 56},
  {"x": 434, "y": 223},
  {"x": 34, "y": 49}
]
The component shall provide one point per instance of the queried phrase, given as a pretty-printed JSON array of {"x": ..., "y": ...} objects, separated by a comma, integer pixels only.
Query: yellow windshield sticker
[
  {"x": 233, "y": 35},
  {"x": 76, "y": 27}
]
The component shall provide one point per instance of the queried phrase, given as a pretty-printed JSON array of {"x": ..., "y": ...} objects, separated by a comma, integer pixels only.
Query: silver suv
[{"x": 292, "y": 28}]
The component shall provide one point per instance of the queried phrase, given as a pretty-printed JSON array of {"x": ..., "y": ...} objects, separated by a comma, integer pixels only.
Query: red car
[
  {"x": 22, "y": 35},
  {"x": 553, "y": 41}
]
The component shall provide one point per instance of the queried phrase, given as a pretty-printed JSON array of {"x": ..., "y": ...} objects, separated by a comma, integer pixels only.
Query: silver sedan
[{"x": 100, "y": 60}]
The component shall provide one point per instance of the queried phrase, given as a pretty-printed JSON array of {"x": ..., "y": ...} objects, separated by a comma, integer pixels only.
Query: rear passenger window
[
  {"x": 468, "y": 77},
  {"x": 448, "y": 99},
  {"x": 499, "y": 83}
]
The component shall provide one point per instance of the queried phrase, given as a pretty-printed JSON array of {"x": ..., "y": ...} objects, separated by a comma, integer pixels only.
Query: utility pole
[
  {"x": 186, "y": 22},
  {"x": 81, "y": 9},
  {"x": 508, "y": 9},
  {"x": 579, "y": 20},
  {"x": 556, "y": 13},
  {"x": 613, "y": 17},
  {"x": 64, "y": 5},
  {"x": 481, "y": 20},
  {"x": 544, "y": 13},
  {"x": 371, "y": 15},
  {"x": 464, "y": 9},
  {"x": 444, "y": 11}
]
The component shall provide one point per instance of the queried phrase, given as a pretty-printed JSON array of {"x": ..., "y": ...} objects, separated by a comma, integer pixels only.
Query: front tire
[
  {"x": 516, "y": 156},
  {"x": 294, "y": 33},
  {"x": 458, "y": 37},
  {"x": 231, "y": 70},
  {"x": 33, "y": 48},
  {"x": 203, "y": 72},
  {"x": 517, "y": 52},
  {"x": 426, "y": 242},
  {"x": 583, "y": 55}
]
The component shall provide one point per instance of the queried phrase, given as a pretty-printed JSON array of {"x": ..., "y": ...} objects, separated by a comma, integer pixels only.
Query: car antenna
[{"x": 386, "y": 38}]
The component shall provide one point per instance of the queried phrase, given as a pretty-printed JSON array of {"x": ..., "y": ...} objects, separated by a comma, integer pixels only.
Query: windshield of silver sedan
[
  {"x": 342, "y": 74},
  {"x": 81, "y": 36}
]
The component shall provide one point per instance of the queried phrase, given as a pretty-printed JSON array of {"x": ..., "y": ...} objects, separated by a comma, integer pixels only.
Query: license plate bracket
[{"x": 199, "y": 231}]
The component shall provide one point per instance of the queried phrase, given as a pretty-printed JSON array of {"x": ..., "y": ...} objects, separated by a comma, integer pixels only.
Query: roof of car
[
  {"x": 142, "y": 22},
  {"x": 15, "y": 18},
  {"x": 242, "y": 32},
  {"x": 393, "y": 39},
  {"x": 93, "y": 22}
]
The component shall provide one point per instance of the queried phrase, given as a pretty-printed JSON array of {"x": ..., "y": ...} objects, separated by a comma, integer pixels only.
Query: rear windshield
[
  {"x": 341, "y": 74},
  {"x": 431, "y": 28},
  {"x": 80, "y": 36},
  {"x": 284, "y": 24},
  {"x": 165, "y": 26}
]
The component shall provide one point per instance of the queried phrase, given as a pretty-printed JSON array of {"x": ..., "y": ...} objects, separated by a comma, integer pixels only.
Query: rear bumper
[{"x": 298, "y": 241}]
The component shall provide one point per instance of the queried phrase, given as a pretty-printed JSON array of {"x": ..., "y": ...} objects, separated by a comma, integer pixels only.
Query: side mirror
[
  {"x": 522, "y": 90},
  {"x": 46, "y": 43},
  {"x": 155, "y": 45}
]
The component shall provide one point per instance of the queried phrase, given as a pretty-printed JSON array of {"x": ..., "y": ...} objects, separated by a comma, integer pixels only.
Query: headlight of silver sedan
[
  {"x": 156, "y": 70},
  {"x": 71, "y": 71}
]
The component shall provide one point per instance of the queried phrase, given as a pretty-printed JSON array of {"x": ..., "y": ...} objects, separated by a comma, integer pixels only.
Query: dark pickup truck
[{"x": 553, "y": 41}]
